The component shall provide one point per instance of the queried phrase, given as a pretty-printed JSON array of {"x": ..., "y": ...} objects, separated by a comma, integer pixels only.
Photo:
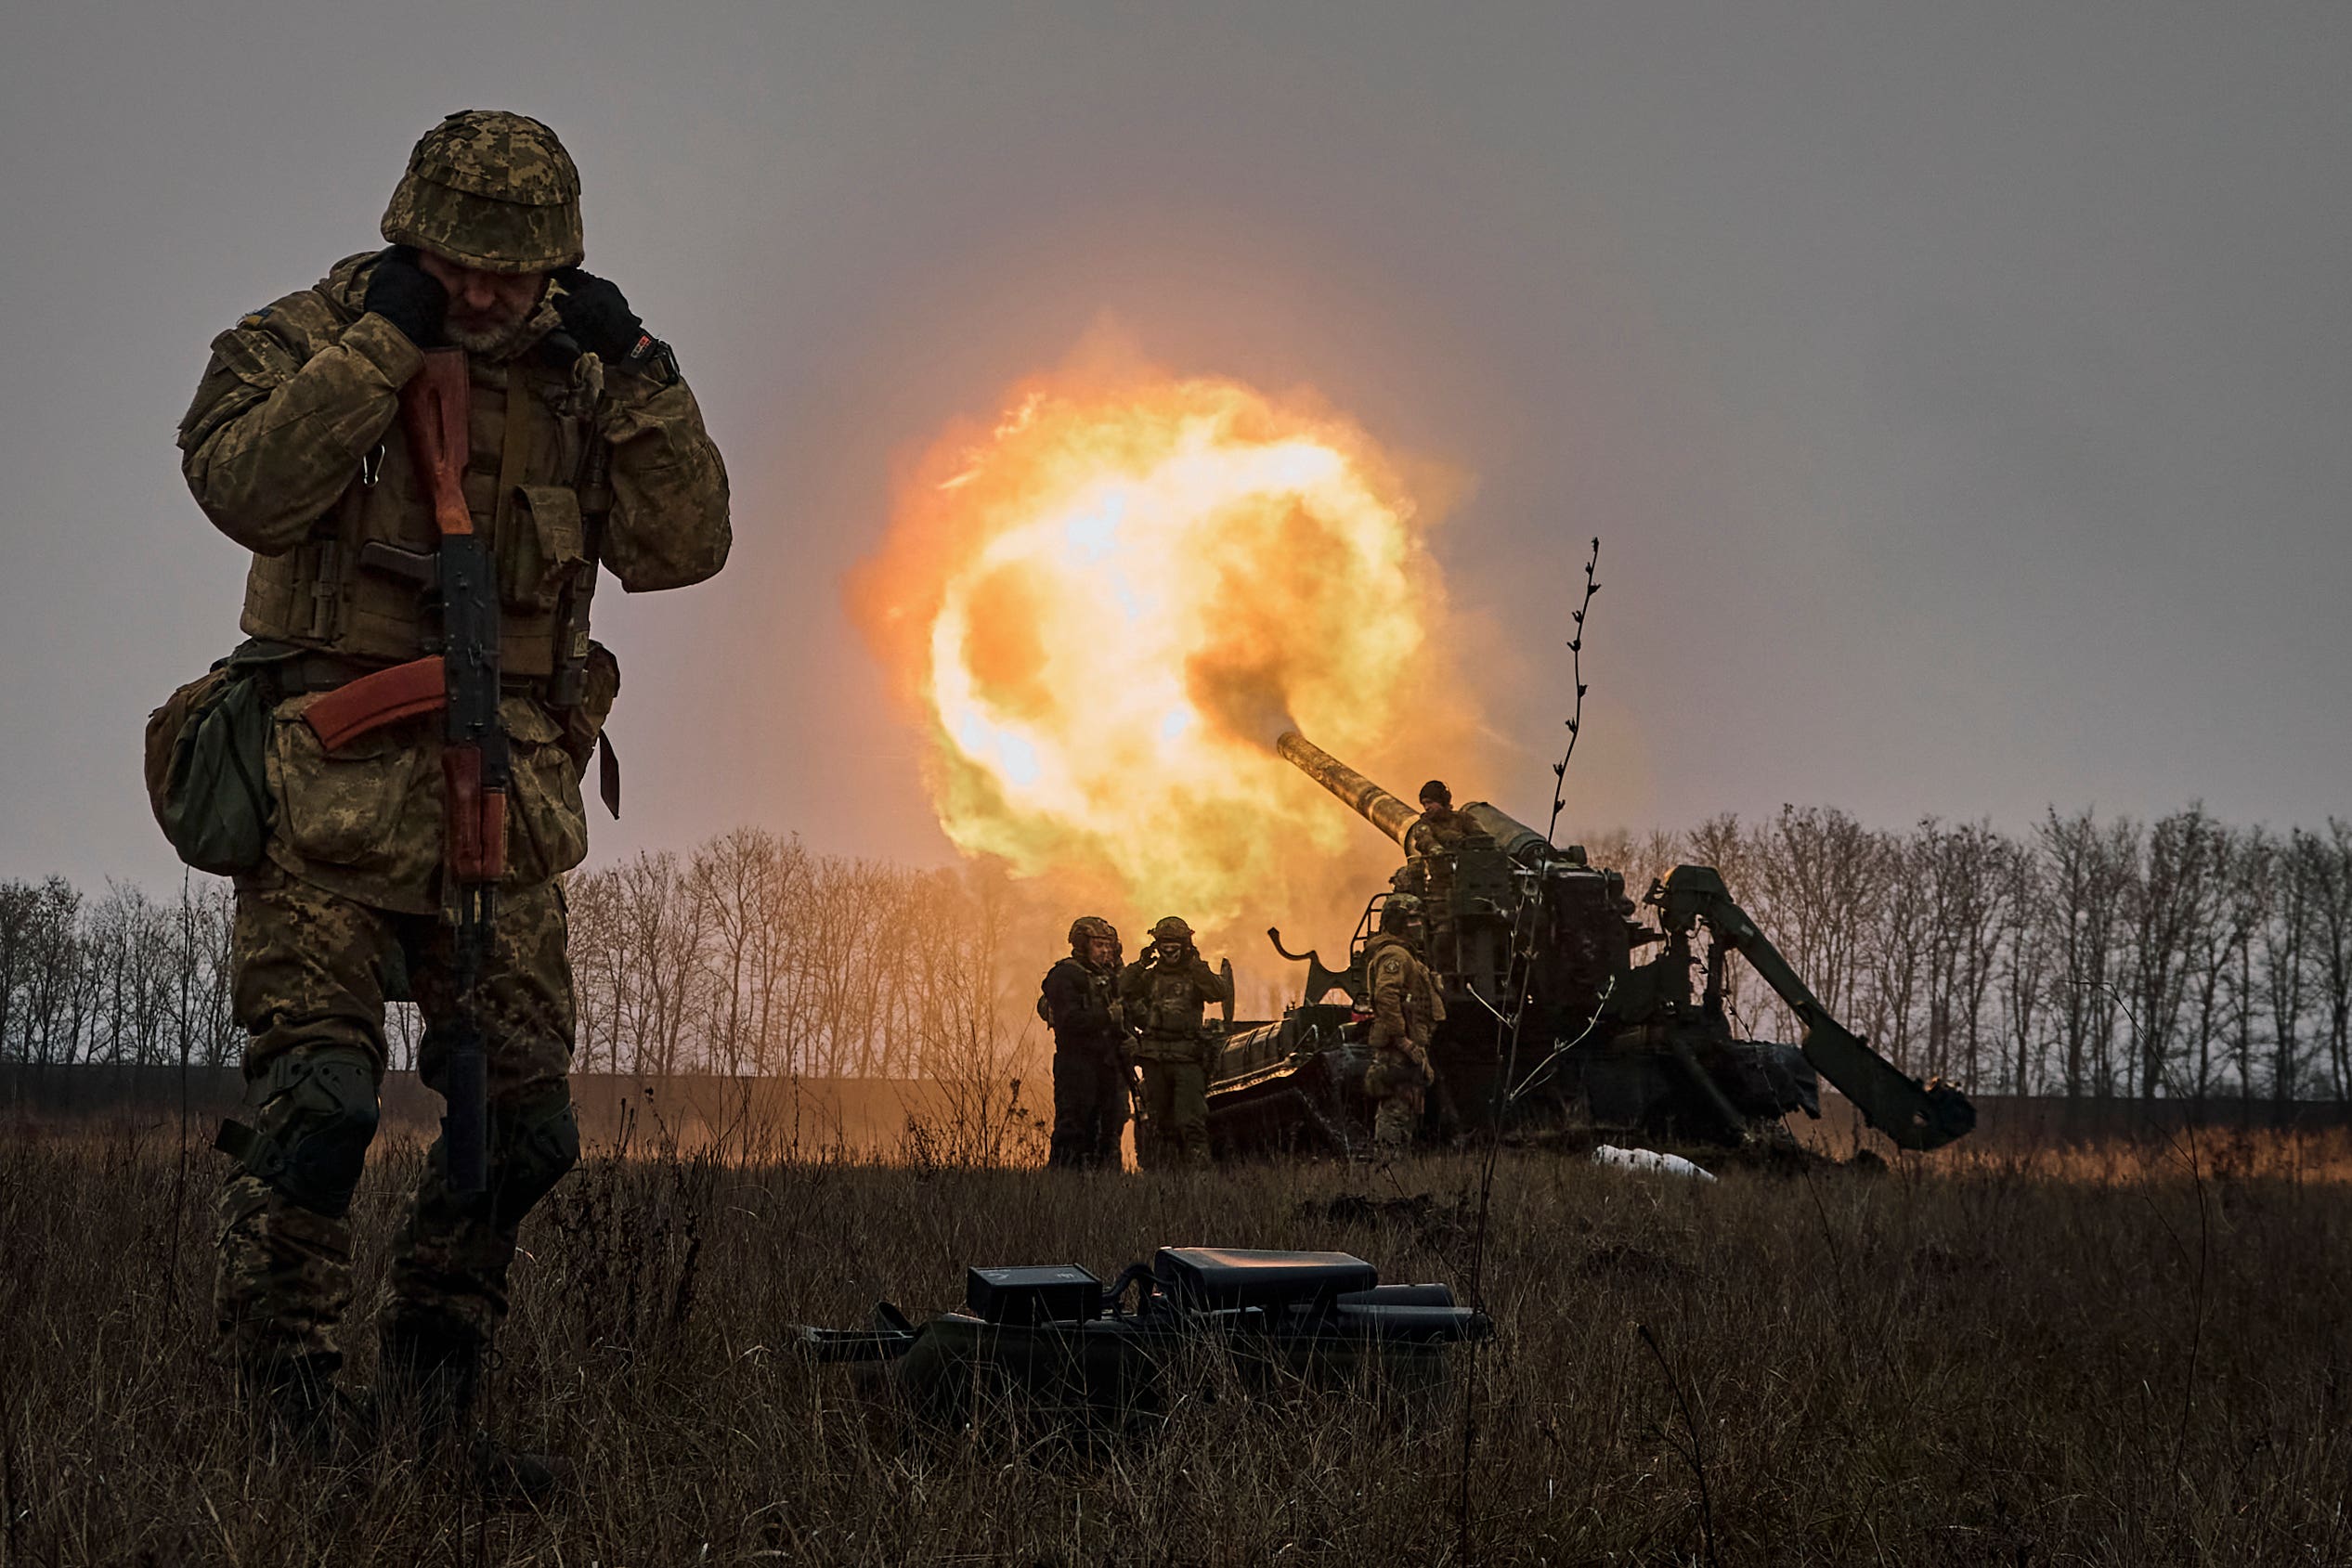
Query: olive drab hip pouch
[{"x": 207, "y": 760}]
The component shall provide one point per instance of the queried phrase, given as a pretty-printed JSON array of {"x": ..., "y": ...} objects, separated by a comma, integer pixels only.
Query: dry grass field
[{"x": 2131, "y": 1355}]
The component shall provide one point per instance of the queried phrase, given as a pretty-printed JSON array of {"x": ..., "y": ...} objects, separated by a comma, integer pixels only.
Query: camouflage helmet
[
  {"x": 1089, "y": 927},
  {"x": 1172, "y": 930},
  {"x": 1436, "y": 790},
  {"x": 1400, "y": 913},
  {"x": 489, "y": 190}
]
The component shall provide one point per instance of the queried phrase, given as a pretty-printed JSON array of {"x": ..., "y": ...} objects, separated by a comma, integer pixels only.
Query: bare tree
[
  {"x": 1962, "y": 875},
  {"x": 2089, "y": 869},
  {"x": 2222, "y": 922},
  {"x": 2284, "y": 945},
  {"x": 1819, "y": 879},
  {"x": 2331, "y": 877},
  {"x": 2167, "y": 905}
]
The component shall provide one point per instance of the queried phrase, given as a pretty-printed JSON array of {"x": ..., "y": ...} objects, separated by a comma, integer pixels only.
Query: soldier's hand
[
  {"x": 596, "y": 314},
  {"x": 404, "y": 294}
]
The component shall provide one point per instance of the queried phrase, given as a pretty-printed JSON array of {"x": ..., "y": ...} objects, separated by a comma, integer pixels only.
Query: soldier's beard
[{"x": 492, "y": 343}]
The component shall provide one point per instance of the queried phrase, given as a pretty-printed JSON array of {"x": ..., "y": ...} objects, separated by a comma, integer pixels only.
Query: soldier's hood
[{"x": 345, "y": 289}]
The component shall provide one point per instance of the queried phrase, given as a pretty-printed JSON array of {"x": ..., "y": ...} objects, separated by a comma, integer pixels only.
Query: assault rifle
[{"x": 461, "y": 683}]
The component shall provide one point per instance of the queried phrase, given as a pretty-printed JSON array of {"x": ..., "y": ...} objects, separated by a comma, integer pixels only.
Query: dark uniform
[
  {"x": 293, "y": 450},
  {"x": 1090, "y": 1060}
]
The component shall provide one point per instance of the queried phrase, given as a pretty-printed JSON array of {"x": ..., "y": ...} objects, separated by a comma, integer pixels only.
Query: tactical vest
[
  {"x": 519, "y": 485},
  {"x": 1090, "y": 978},
  {"x": 1172, "y": 997}
]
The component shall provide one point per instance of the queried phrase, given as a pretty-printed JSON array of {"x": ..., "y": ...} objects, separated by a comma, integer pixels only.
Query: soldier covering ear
[
  {"x": 294, "y": 449},
  {"x": 1164, "y": 993}
]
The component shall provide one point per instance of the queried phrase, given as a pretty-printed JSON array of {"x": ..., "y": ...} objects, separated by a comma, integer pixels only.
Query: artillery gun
[{"x": 1609, "y": 1040}]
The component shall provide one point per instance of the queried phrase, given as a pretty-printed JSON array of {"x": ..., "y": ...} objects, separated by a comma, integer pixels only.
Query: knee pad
[
  {"x": 317, "y": 1115},
  {"x": 535, "y": 1145}
]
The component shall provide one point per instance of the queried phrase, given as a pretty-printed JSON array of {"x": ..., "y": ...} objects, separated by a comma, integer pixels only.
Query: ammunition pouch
[
  {"x": 541, "y": 547},
  {"x": 1155, "y": 1046},
  {"x": 366, "y": 807},
  {"x": 316, "y": 1113},
  {"x": 207, "y": 763}
]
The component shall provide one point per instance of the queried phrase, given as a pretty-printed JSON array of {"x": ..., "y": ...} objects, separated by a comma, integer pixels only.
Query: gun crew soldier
[
  {"x": 1431, "y": 844},
  {"x": 1162, "y": 992},
  {"x": 1079, "y": 998},
  {"x": 1407, "y": 1010},
  {"x": 429, "y": 453}
]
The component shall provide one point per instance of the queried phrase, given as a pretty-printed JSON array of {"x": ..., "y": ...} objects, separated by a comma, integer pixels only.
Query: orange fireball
[{"x": 1107, "y": 606}]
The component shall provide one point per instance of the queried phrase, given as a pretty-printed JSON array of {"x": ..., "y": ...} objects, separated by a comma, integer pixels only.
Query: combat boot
[
  {"x": 431, "y": 1372},
  {"x": 321, "y": 1421}
]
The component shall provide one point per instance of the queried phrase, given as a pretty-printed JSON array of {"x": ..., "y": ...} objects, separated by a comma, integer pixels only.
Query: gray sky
[{"x": 1962, "y": 392}]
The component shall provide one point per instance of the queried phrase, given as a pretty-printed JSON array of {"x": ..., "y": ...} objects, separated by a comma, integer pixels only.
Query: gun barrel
[
  {"x": 1513, "y": 836},
  {"x": 1364, "y": 797}
]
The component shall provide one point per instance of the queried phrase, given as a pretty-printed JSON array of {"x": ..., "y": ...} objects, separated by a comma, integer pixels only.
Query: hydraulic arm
[{"x": 1916, "y": 1115}]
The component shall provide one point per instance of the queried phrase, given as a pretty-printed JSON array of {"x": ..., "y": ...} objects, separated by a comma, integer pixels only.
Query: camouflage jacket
[
  {"x": 1163, "y": 1003},
  {"x": 292, "y": 447},
  {"x": 1431, "y": 836},
  {"x": 1407, "y": 1008}
]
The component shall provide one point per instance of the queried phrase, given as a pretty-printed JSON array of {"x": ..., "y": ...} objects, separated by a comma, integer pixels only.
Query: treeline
[
  {"x": 2088, "y": 957},
  {"x": 755, "y": 954},
  {"x": 752, "y": 954},
  {"x": 124, "y": 977}
]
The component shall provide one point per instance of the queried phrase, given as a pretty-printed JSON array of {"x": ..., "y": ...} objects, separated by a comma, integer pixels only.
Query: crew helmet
[
  {"x": 1400, "y": 915},
  {"x": 1436, "y": 790},
  {"x": 1086, "y": 929},
  {"x": 490, "y": 190},
  {"x": 1172, "y": 930}
]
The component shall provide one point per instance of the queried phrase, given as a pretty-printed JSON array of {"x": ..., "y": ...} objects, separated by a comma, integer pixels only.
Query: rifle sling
[
  {"x": 513, "y": 450},
  {"x": 609, "y": 774}
]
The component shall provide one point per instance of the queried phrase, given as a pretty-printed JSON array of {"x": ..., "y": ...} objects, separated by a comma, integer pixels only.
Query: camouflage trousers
[
  {"x": 1176, "y": 1115},
  {"x": 1394, "y": 1082},
  {"x": 1090, "y": 1109},
  {"x": 310, "y": 974}
]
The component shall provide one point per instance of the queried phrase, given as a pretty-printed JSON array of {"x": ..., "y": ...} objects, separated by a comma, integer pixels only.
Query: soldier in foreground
[
  {"x": 1079, "y": 1000},
  {"x": 582, "y": 445},
  {"x": 1162, "y": 992},
  {"x": 1406, "y": 1009}
]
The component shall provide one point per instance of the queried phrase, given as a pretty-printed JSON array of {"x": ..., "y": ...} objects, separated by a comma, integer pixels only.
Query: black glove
[
  {"x": 404, "y": 294},
  {"x": 597, "y": 317}
]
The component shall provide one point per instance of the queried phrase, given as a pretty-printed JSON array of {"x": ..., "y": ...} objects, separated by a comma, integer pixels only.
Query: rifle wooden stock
[{"x": 434, "y": 409}]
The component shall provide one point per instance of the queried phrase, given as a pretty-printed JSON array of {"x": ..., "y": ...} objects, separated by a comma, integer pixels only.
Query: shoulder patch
[{"x": 255, "y": 317}]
